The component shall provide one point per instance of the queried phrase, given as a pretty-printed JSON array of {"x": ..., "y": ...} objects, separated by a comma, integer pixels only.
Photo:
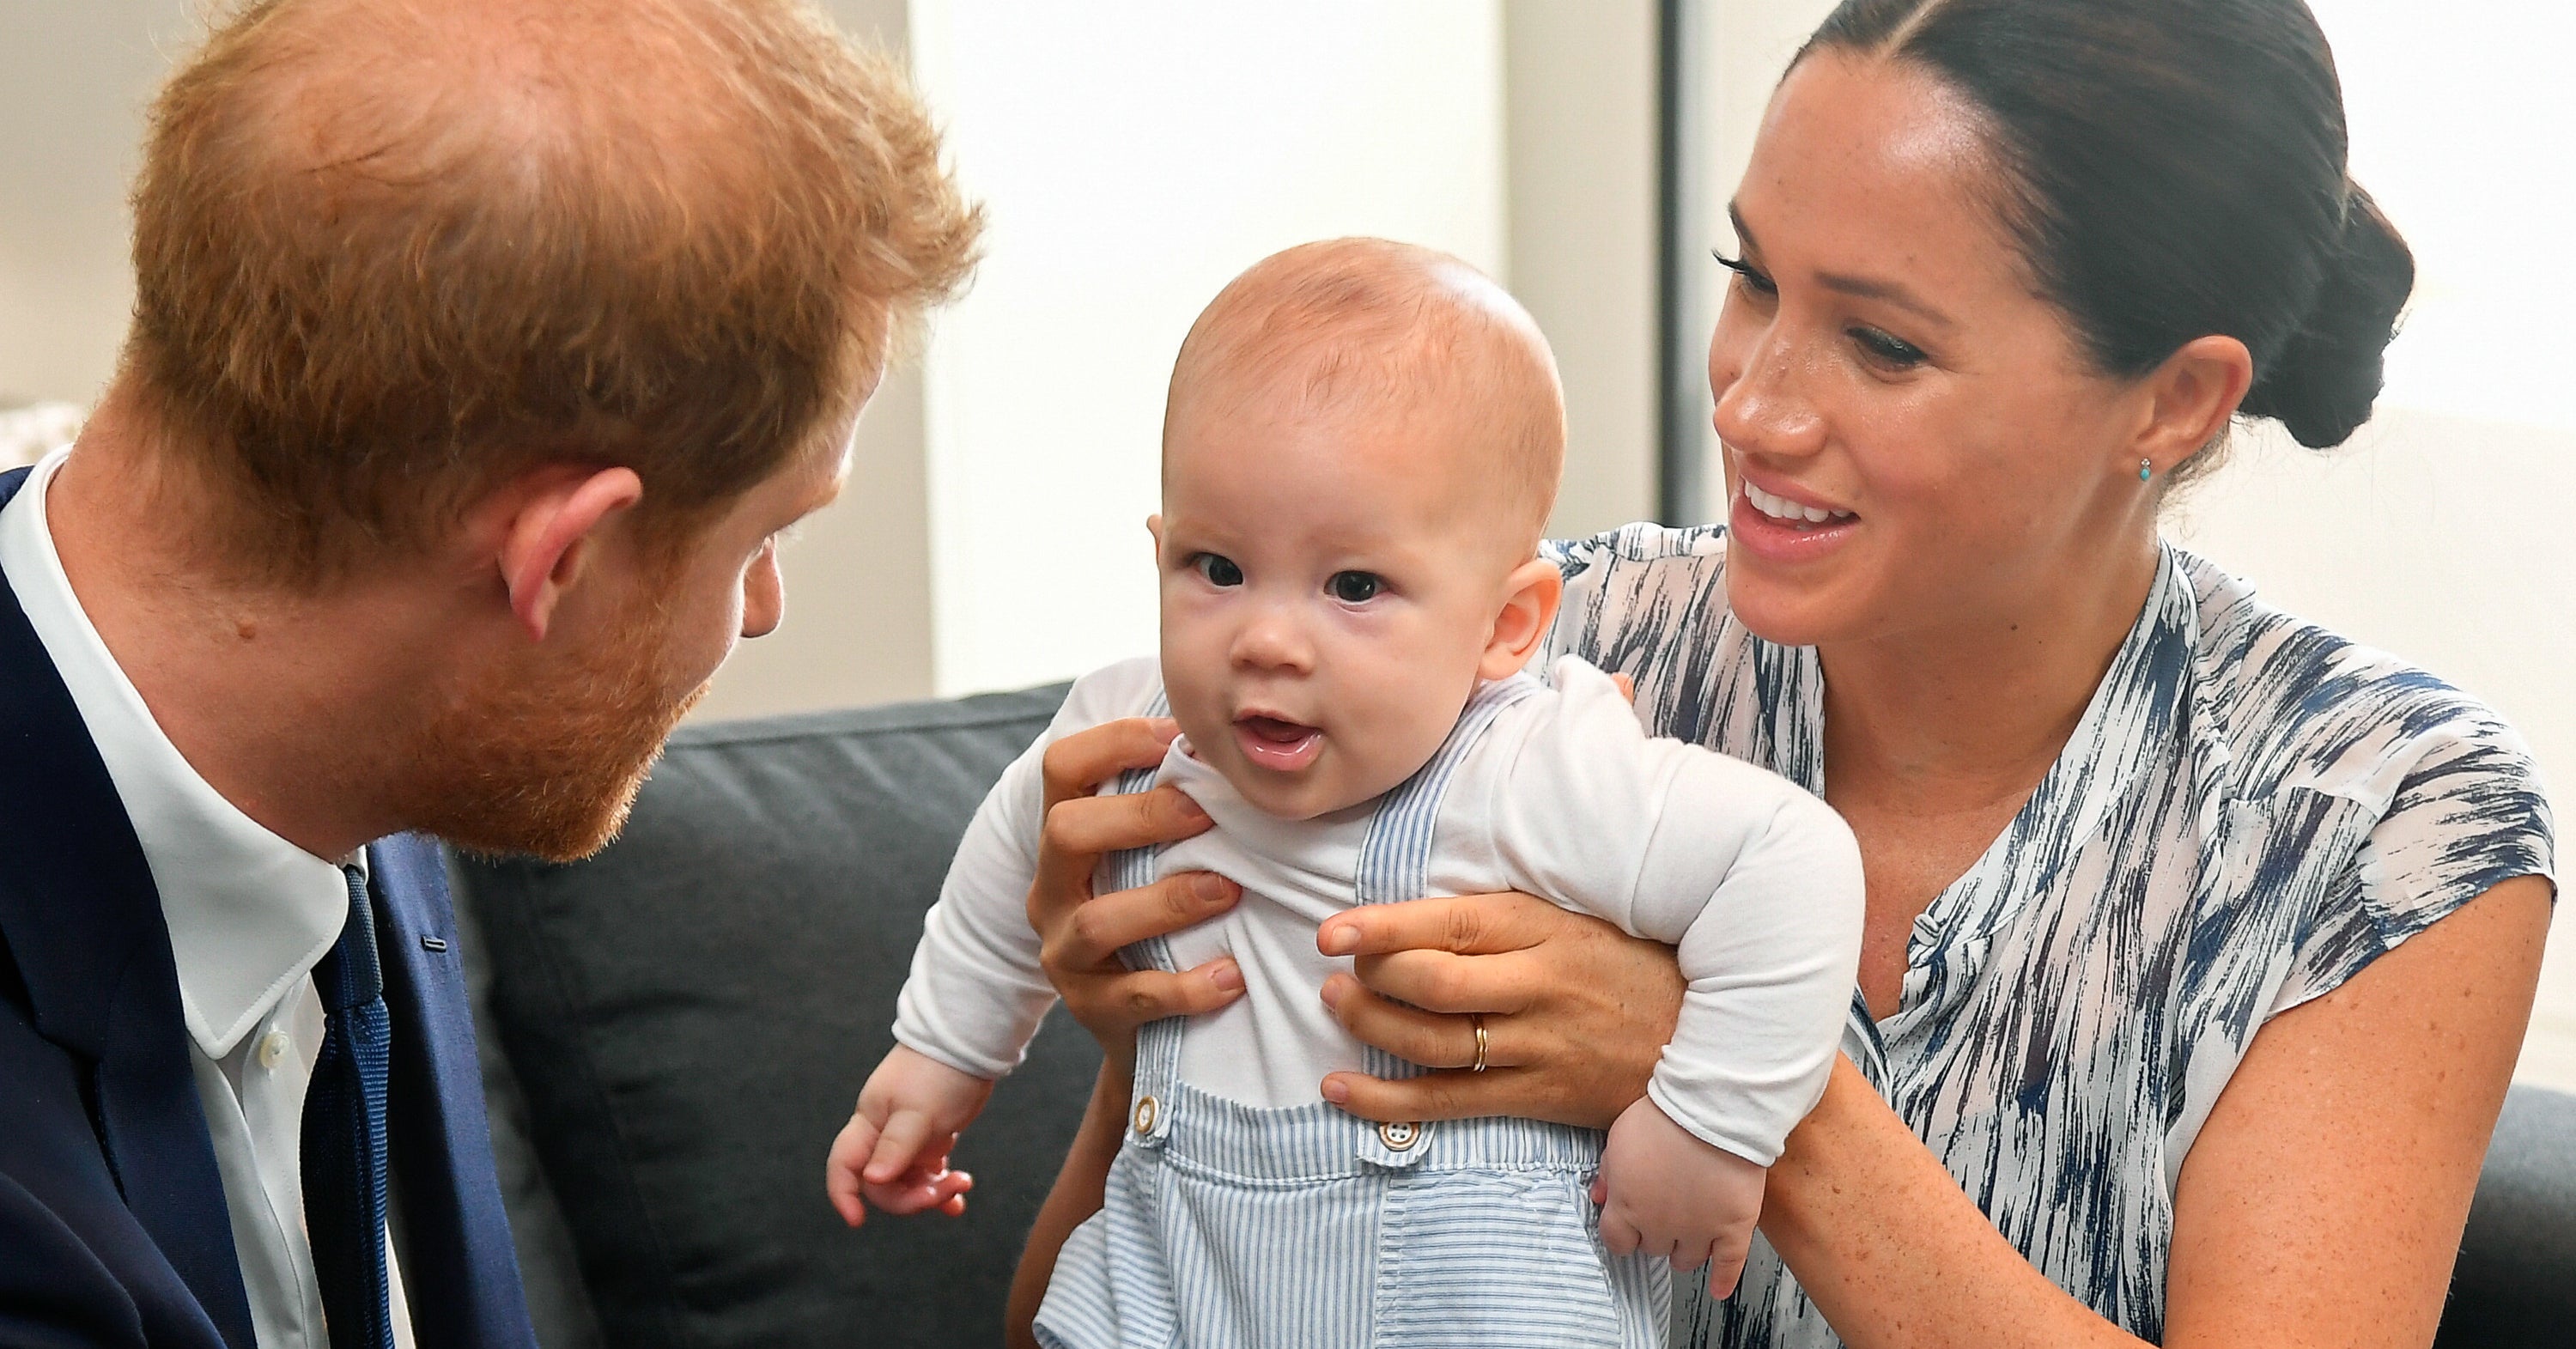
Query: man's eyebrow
[{"x": 1867, "y": 288}]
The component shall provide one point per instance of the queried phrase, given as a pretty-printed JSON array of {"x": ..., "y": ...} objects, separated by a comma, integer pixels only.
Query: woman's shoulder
[
  {"x": 2300, "y": 707},
  {"x": 1643, "y": 545},
  {"x": 2438, "y": 799},
  {"x": 1638, "y": 583}
]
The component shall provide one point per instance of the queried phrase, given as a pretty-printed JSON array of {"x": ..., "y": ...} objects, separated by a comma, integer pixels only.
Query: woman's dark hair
[{"x": 2173, "y": 169}]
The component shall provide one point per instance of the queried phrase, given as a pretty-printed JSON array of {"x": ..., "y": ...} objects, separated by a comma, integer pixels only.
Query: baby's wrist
[{"x": 1748, "y": 1151}]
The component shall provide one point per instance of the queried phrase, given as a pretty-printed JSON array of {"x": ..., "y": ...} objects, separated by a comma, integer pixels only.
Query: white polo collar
[{"x": 249, "y": 913}]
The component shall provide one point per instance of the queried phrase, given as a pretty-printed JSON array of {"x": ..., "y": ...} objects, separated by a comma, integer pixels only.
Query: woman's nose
[{"x": 1764, "y": 396}]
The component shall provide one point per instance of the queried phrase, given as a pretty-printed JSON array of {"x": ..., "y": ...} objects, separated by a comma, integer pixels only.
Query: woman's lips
[
  {"x": 1277, "y": 744},
  {"x": 1776, "y": 540}
]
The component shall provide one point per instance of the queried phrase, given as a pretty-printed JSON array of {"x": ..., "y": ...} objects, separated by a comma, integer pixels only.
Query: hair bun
[{"x": 2322, "y": 383}]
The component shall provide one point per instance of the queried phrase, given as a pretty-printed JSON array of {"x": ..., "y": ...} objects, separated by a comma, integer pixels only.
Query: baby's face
[{"x": 1330, "y": 586}]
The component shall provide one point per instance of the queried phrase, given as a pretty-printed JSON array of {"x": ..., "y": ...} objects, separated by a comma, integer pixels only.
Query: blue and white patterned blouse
[{"x": 2250, "y": 811}]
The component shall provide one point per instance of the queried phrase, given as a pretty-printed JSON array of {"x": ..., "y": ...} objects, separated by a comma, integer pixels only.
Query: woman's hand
[
  {"x": 1576, "y": 1012},
  {"x": 1080, "y": 933}
]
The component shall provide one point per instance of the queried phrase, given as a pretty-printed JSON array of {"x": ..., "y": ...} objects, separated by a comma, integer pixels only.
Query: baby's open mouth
[{"x": 1277, "y": 744}]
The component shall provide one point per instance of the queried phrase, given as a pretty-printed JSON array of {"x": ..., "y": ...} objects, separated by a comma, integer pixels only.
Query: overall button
[
  {"x": 1399, "y": 1137},
  {"x": 1146, "y": 1110}
]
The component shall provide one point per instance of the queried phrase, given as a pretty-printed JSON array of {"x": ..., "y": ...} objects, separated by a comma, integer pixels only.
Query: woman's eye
[
  {"x": 1889, "y": 351},
  {"x": 1747, "y": 275},
  {"x": 1219, "y": 571},
  {"x": 1354, "y": 587}
]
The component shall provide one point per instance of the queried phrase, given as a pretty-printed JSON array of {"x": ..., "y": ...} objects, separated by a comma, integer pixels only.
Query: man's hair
[
  {"x": 1375, "y": 328},
  {"x": 390, "y": 253}
]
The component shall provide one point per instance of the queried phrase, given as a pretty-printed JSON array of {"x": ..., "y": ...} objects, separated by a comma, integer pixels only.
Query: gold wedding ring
[{"x": 1479, "y": 1065}]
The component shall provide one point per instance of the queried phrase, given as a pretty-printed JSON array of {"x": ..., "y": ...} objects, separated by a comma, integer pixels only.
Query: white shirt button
[{"x": 273, "y": 1047}]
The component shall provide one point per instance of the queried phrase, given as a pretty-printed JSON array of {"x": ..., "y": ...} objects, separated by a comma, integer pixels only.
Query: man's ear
[
  {"x": 2191, "y": 396},
  {"x": 1533, "y": 591},
  {"x": 552, "y": 533}
]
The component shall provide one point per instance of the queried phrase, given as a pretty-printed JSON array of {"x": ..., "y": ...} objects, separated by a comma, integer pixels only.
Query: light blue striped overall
[{"x": 1230, "y": 1227}]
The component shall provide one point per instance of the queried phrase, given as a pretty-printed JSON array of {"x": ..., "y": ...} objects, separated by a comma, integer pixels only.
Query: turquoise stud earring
[{"x": 2146, "y": 469}]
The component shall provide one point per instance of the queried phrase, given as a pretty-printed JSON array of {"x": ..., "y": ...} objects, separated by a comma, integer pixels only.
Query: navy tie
[{"x": 344, "y": 1135}]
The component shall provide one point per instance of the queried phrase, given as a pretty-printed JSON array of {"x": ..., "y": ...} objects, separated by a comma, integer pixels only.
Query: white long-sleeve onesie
[{"x": 1755, "y": 881}]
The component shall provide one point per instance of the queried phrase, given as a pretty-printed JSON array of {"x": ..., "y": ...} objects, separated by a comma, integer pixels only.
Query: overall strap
[
  {"x": 1395, "y": 858},
  {"x": 1158, "y": 1043},
  {"x": 1397, "y": 853}
]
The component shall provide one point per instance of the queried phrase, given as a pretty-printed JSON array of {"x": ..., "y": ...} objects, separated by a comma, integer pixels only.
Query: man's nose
[{"x": 764, "y": 594}]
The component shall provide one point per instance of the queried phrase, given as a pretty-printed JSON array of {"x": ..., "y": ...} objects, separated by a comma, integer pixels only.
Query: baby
[{"x": 1360, "y": 450}]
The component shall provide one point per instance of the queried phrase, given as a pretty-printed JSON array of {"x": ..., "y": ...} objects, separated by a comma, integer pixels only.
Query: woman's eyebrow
[
  {"x": 1867, "y": 288},
  {"x": 1743, "y": 236},
  {"x": 1890, "y": 292}
]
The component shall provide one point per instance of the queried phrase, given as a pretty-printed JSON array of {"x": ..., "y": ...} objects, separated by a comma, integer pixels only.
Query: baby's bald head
[{"x": 1369, "y": 330}]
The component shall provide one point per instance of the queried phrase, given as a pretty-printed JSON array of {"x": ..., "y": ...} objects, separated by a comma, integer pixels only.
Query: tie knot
[{"x": 349, "y": 975}]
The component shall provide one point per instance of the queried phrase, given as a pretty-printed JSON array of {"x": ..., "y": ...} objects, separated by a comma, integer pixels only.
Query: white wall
[
  {"x": 1134, "y": 157},
  {"x": 1579, "y": 90},
  {"x": 73, "y": 81},
  {"x": 858, "y": 574}
]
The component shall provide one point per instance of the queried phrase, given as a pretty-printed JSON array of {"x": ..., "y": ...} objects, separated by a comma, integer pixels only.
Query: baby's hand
[
  {"x": 894, "y": 1152},
  {"x": 1664, "y": 1192}
]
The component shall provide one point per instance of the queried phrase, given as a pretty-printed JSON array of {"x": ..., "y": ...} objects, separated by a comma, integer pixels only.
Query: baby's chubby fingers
[
  {"x": 1726, "y": 1257},
  {"x": 923, "y": 1189},
  {"x": 841, "y": 1180},
  {"x": 898, "y": 1143},
  {"x": 1647, "y": 1231},
  {"x": 1618, "y": 1234}
]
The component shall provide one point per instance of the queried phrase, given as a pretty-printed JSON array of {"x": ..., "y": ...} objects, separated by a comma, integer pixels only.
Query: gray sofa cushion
[
  {"x": 690, "y": 1015},
  {"x": 677, "y": 1028},
  {"x": 2516, "y": 1281}
]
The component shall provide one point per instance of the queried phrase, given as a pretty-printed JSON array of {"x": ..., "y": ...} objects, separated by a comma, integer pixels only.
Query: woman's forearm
[
  {"x": 1076, "y": 1196},
  {"x": 1894, "y": 1253}
]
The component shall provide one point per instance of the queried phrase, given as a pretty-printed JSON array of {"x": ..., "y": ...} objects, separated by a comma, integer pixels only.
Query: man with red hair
[{"x": 467, "y": 393}]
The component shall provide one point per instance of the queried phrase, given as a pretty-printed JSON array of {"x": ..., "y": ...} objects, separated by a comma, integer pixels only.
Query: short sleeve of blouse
[
  {"x": 2467, "y": 814},
  {"x": 1645, "y": 600}
]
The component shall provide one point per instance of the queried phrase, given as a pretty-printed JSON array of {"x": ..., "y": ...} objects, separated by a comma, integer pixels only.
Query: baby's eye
[
  {"x": 1354, "y": 587},
  {"x": 1219, "y": 571}
]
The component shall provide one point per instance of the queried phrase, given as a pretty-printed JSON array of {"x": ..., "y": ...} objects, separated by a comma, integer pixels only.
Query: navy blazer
[{"x": 113, "y": 1229}]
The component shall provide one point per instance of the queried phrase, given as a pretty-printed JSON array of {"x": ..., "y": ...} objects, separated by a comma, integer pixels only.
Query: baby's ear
[
  {"x": 1531, "y": 594},
  {"x": 1154, "y": 526}
]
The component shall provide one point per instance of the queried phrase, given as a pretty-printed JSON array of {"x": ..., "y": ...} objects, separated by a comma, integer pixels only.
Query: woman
[{"x": 2200, "y": 941}]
